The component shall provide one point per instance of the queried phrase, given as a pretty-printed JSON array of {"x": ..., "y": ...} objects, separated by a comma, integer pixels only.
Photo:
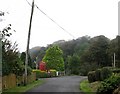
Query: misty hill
[{"x": 34, "y": 52}]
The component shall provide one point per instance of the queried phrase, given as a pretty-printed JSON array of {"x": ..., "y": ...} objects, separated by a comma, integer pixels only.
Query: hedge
[
  {"x": 44, "y": 74},
  {"x": 91, "y": 76},
  {"x": 41, "y": 74},
  {"x": 99, "y": 75},
  {"x": 53, "y": 73}
]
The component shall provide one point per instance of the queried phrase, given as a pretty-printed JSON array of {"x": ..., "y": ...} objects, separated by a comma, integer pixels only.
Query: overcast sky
[{"x": 79, "y": 17}]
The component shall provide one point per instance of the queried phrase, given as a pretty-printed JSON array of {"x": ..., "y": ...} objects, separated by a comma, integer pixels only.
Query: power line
[
  {"x": 52, "y": 20},
  {"x": 28, "y": 3}
]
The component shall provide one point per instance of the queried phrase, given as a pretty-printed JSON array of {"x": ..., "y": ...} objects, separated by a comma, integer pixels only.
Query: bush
[
  {"x": 98, "y": 75},
  {"x": 107, "y": 86},
  {"x": 43, "y": 74},
  {"x": 53, "y": 73},
  {"x": 91, "y": 76},
  {"x": 105, "y": 73}
]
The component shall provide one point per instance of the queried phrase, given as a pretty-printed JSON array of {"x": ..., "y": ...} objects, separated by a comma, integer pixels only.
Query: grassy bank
[
  {"x": 21, "y": 89},
  {"x": 89, "y": 88}
]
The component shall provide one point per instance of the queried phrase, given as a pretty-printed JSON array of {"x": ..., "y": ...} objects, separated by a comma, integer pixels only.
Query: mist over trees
[
  {"x": 84, "y": 54},
  {"x": 78, "y": 56}
]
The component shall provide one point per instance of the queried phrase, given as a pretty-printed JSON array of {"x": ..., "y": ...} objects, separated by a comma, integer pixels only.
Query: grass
[
  {"x": 84, "y": 86},
  {"x": 89, "y": 88},
  {"x": 22, "y": 89}
]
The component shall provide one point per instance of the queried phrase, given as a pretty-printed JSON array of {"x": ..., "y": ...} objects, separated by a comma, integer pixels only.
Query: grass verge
[
  {"x": 84, "y": 87},
  {"x": 89, "y": 88},
  {"x": 22, "y": 89}
]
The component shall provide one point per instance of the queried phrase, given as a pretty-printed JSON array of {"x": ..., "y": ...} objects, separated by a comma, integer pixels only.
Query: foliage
[
  {"x": 29, "y": 70},
  {"x": 105, "y": 73},
  {"x": 23, "y": 58},
  {"x": 41, "y": 74},
  {"x": 114, "y": 47},
  {"x": 89, "y": 88},
  {"x": 53, "y": 73},
  {"x": 44, "y": 74},
  {"x": 74, "y": 64},
  {"x": 11, "y": 62},
  {"x": 97, "y": 51},
  {"x": 92, "y": 53},
  {"x": 84, "y": 86},
  {"x": 54, "y": 59},
  {"x": 18, "y": 68},
  {"x": 108, "y": 85},
  {"x": 86, "y": 67},
  {"x": 99, "y": 74},
  {"x": 91, "y": 76}
]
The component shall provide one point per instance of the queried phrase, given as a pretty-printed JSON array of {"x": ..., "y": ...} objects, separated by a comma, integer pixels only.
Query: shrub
[
  {"x": 91, "y": 76},
  {"x": 43, "y": 74},
  {"x": 53, "y": 73},
  {"x": 108, "y": 85},
  {"x": 98, "y": 75},
  {"x": 105, "y": 73}
]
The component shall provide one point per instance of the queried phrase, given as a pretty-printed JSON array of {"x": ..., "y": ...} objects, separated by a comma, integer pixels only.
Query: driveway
[{"x": 60, "y": 84}]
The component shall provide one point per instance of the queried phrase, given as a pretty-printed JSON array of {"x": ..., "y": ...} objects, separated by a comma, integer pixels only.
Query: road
[{"x": 60, "y": 84}]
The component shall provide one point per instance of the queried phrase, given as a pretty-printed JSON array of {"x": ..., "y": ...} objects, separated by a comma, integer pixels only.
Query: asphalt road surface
[{"x": 60, "y": 84}]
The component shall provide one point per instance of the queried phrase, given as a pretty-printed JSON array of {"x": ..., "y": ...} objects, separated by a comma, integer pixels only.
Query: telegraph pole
[{"x": 28, "y": 42}]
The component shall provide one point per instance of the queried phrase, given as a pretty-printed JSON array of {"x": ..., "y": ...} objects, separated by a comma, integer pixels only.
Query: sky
[{"x": 78, "y": 17}]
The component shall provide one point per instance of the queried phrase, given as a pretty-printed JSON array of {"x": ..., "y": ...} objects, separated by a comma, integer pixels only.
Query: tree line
[
  {"x": 85, "y": 54},
  {"x": 79, "y": 56}
]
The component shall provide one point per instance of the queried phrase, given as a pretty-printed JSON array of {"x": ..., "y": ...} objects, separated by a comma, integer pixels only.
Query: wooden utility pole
[{"x": 28, "y": 42}]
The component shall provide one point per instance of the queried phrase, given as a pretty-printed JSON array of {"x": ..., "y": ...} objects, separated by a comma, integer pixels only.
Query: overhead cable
[{"x": 52, "y": 20}]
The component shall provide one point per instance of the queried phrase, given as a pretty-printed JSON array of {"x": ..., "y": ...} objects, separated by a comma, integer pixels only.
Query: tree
[
  {"x": 54, "y": 59},
  {"x": 74, "y": 64},
  {"x": 30, "y": 63},
  {"x": 97, "y": 52},
  {"x": 72, "y": 47},
  {"x": 114, "y": 47},
  {"x": 11, "y": 62}
]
